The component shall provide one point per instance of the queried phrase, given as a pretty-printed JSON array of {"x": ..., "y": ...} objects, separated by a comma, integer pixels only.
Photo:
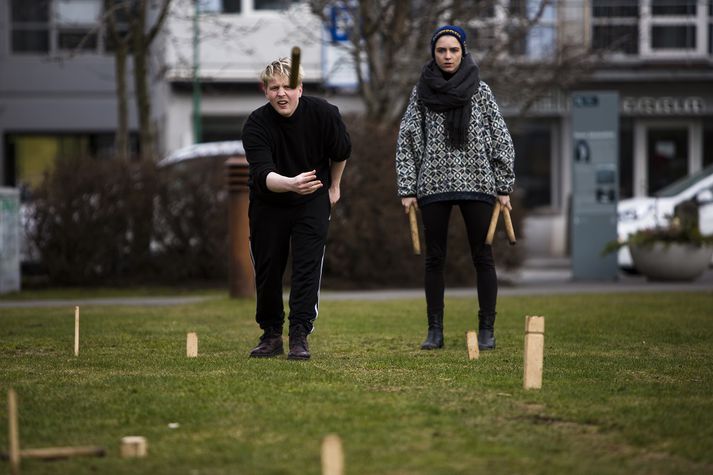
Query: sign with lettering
[{"x": 663, "y": 105}]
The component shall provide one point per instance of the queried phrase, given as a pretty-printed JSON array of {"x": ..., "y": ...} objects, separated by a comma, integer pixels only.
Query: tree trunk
[
  {"x": 122, "y": 129},
  {"x": 140, "y": 51}
]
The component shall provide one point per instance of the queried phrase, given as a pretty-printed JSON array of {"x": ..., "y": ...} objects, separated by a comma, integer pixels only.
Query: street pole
[{"x": 197, "y": 132}]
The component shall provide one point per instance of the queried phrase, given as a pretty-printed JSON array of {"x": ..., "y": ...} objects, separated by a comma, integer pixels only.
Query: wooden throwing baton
[
  {"x": 414, "y": 230},
  {"x": 295, "y": 67},
  {"x": 494, "y": 223}
]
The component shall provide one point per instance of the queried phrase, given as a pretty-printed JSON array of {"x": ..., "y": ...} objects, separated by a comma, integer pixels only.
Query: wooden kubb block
[
  {"x": 471, "y": 339},
  {"x": 192, "y": 345},
  {"x": 134, "y": 446},
  {"x": 534, "y": 351},
  {"x": 332, "y": 455}
]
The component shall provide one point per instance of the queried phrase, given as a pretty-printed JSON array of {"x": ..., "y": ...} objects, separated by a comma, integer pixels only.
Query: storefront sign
[{"x": 664, "y": 105}]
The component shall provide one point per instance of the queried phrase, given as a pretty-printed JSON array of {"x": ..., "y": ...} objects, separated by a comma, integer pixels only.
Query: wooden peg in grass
[
  {"x": 332, "y": 455},
  {"x": 471, "y": 339},
  {"x": 192, "y": 345},
  {"x": 534, "y": 351},
  {"x": 134, "y": 446}
]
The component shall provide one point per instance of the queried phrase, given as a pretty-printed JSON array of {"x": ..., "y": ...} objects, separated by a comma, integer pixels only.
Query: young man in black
[{"x": 297, "y": 148}]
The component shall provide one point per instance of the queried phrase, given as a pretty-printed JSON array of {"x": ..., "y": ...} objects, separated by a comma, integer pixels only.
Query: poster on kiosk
[{"x": 595, "y": 183}]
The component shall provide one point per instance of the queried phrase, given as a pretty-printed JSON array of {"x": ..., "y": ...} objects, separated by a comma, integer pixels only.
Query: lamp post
[{"x": 197, "y": 132}]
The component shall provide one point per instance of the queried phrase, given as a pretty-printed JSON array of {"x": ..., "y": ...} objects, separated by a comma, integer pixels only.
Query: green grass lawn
[{"x": 627, "y": 388}]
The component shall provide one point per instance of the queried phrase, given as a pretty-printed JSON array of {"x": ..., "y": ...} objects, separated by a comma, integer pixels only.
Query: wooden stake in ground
[
  {"x": 413, "y": 221},
  {"x": 76, "y": 331},
  {"x": 133, "y": 446},
  {"x": 471, "y": 339},
  {"x": 534, "y": 351},
  {"x": 332, "y": 455},
  {"x": 13, "y": 432},
  {"x": 192, "y": 345}
]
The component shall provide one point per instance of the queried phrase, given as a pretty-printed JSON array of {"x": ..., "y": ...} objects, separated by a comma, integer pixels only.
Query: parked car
[{"x": 635, "y": 214}]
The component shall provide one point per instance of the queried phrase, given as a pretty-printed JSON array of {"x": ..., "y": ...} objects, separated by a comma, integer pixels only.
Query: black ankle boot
[
  {"x": 486, "y": 331},
  {"x": 299, "y": 349},
  {"x": 435, "y": 332},
  {"x": 270, "y": 344},
  {"x": 486, "y": 339}
]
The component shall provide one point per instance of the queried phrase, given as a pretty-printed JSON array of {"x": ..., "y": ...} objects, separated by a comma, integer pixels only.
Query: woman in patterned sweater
[{"x": 454, "y": 149}]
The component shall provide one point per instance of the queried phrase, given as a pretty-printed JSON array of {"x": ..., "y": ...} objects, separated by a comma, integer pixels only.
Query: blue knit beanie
[{"x": 455, "y": 31}]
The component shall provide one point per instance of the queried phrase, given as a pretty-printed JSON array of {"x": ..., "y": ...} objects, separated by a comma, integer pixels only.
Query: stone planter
[{"x": 674, "y": 261}]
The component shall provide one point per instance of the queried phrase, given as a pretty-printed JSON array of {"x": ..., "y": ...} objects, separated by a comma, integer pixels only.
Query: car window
[{"x": 677, "y": 187}]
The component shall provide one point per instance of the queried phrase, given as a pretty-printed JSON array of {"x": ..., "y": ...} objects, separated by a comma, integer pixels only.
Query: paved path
[
  {"x": 113, "y": 301},
  {"x": 551, "y": 277}
]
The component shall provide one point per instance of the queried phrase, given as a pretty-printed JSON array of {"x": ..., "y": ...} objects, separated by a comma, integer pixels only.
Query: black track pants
[
  {"x": 274, "y": 231},
  {"x": 476, "y": 215}
]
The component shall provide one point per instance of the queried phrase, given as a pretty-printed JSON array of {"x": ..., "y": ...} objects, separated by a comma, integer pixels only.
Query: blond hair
[{"x": 280, "y": 67}]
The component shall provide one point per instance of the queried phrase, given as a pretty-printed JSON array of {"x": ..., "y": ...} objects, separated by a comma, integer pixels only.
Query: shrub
[{"x": 109, "y": 221}]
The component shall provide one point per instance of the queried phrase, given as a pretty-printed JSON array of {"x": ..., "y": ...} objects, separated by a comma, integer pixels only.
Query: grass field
[{"x": 628, "y": 388}]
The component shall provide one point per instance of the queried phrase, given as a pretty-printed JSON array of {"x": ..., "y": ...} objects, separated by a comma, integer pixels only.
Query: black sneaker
[{"x": 270, "y": 345}]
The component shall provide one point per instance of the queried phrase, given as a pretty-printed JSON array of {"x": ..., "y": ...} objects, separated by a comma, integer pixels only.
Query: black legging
[{"x": 476, "y": 215}]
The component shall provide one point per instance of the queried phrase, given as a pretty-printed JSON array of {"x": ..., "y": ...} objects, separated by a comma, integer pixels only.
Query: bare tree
[
  {"x": 116, "y": 14},
  {"x": 389, "y": 38},
  {"x": 142, "y": 33}
]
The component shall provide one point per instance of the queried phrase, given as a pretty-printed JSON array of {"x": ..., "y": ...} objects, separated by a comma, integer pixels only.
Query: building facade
[
  {"x": 657, "y": 55},
  {"x": 57, "y": 88}
]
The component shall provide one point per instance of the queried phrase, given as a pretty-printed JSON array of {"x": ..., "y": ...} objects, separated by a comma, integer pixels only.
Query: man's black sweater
[{"x": 312, "y": 137}]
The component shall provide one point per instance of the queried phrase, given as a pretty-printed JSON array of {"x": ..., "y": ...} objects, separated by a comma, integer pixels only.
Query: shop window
[
  {"x": 708, "y": 142},
  {"x": 533, "y": 146},
  {"x": 30, "y": 156},
  {"x": 626, "y": 158},
  {"x": 667, "y": 159}
]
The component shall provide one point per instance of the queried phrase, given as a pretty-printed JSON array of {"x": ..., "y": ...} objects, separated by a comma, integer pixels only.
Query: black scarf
[{"x": 451, "y": 95}]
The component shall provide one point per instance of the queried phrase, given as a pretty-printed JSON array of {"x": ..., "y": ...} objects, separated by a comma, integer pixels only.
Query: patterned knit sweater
[{"x": 430, "y": 169}]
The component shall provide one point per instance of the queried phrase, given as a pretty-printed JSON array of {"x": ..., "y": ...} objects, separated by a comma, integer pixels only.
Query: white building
[{"x": 661, "y": 66}]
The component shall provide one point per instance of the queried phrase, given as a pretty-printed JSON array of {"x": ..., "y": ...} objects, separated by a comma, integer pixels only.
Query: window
[
  {"x": 616, "y": 38},
  {"x": 538, "y": 41},
  {"x": 667, "y": 151},
  {"x": 651, "y": 28},
  {"x": 533, "y": 140},
  {"x": 273, "y": 4},
  {"x": 673, "y": 37},
  {"x": 219, "y": 6},
  {"x": 30, "y": 26},
  {"x": 220, "y": 128},
  {"x": 668, "y": 7},
  {"x": 707, "y": 142},
  {"x": 59, "y": 26},
  {"x": 76, "y": 23},
  {"x": 626, "y": 157},
  {"x": 30, "y": 156},
  {"x": 615, "y": 26}
]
